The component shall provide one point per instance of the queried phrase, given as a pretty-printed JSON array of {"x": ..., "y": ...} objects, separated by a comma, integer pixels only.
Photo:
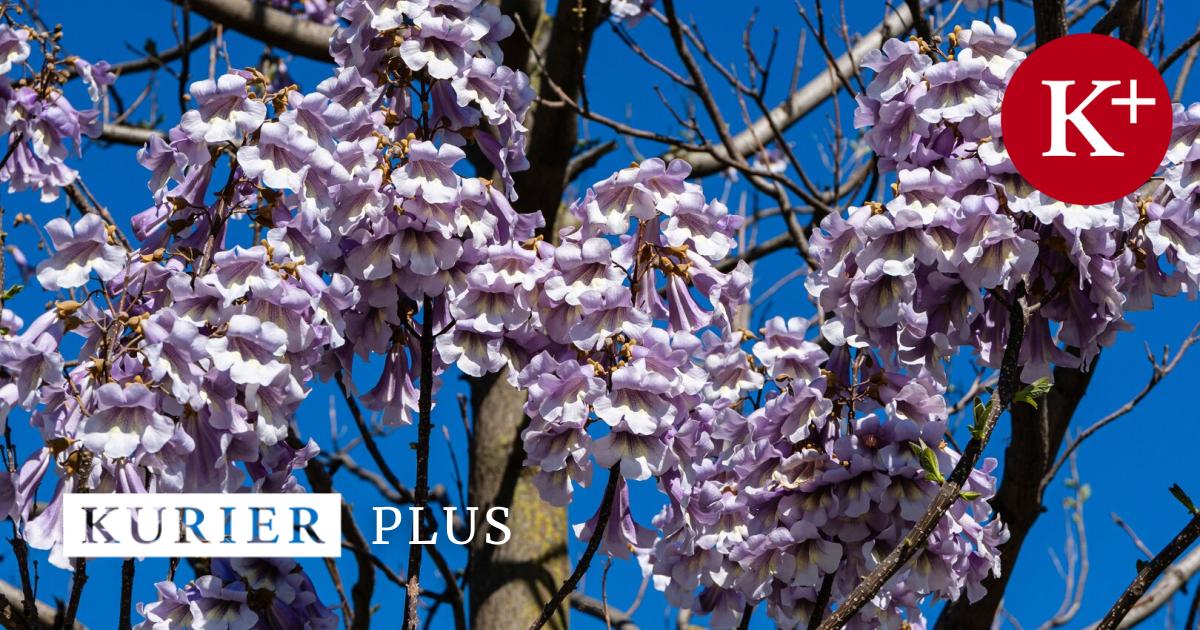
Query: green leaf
[
  {"x": 1184, "y": 499},
  {"x": 928, "y": 461},
  {"x": 969, "y": 495},
  {"x": 1033, "y": 391},
  {"x": 981, "y": 414},
  {"x": 11, "y": 291}
]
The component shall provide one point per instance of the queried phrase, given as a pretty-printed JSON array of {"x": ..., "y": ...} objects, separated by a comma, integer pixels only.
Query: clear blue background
[{"x": 1129, "y": 465}]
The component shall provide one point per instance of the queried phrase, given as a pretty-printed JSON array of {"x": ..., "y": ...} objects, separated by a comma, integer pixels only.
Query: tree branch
[
  {"x": 801, "y": 102},
  {"x": 1160, "y": 371},
  {"x": 1050, "y": 20},
  {"x": 948, "y": 494},
  {"x": 126, "y": 134},
  {"x": 1150, "y": 572},
  {"x": 424, "y": 427},
  {"x": 568, "y": 587},
  {"x": 46, "y": 616},
  {"x": 127, "y": 569},
  {"x": 1115, "y": 17},
  {"x": 1174, "y": 580},
  {"x": 1037, "y": 434},
  {"x": 593, "y": 608},
  {"x": 276, "y": 28}
]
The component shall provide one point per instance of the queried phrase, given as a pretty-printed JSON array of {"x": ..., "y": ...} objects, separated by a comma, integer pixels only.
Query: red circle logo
[{"x": 1086, "y": 119}]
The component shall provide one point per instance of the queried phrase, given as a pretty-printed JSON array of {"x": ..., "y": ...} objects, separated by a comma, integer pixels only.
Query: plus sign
[{"x": 1132, "y": 101}]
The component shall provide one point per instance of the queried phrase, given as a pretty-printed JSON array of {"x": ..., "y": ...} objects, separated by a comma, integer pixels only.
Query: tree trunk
[{"x": 509, "y": 584}]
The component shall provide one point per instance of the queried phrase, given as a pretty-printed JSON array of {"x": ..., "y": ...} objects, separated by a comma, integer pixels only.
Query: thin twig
[
  {"x": 127, "y": 568},
  {"x": 335, "y": 575},
  {"x": 1159, "y": 371},
  {"x": 424, "y": 427},
  {"x": 1187, "y": 46},
  {"x": 606, "y": 503},
  {"x": 594, "y": 608},
  {"x": 1137, "y": 541}
]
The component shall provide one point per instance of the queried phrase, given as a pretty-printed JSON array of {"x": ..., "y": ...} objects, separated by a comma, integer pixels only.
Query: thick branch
[
  {"x": 271, "y": 26},
  {"x": 1117, "y": 17},
  {"x": 1049, "y": 19},
  {"x": 125, "y": 134}
]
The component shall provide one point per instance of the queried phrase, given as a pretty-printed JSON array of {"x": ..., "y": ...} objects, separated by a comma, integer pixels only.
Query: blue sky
[{"x": 1129, "y": 465}]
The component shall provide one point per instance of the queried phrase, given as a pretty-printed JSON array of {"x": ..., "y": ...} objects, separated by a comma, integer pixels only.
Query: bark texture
[{"x": 509, "y": 583}]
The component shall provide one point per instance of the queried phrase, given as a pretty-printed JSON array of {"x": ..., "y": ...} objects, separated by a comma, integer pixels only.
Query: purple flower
[
  {"x": 250, "y": 351},
  {"x": 224, "y": 111},
  {"x": 429, "y": 173},
  {"x": 14, "y": 47},
  {"x": 622, "y": 534},
  {"x": 78, "y": 251},
  {"x": 126, "y": 419}
]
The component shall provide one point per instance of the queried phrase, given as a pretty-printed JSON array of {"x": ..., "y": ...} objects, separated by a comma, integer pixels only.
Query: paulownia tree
[{"x": 410, "y": 214}]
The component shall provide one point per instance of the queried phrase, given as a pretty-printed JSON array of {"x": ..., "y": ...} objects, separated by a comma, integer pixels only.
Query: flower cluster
[
  {"x": 782, "y": 467},
  {"x": 453, "y": 44},
  {"x": 933, "y": 269},
  {"x": 37, "y": 117},
  {"x": 241, "y": 593},
  {"x": 288, "y": 232},
  {"x": 803, "y": 471},
  {"x": 618, "y": 306}
]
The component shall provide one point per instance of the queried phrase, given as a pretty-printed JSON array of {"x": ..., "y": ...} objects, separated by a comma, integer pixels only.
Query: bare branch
[
  {"x": 424, "y": 427},
  {"x": 126, "y": 134},
  {"x": 587, "y": 159},
  {"x": 1137, "y": 541},
  {"x": 1131, "y": 607},
  {"x": 1187, "y": 46},
  {"x": 568, "y": 587},
  {"x": 1075, "y": 552},
  {"x": 271, "y": 26},
  {"x": 46, "y": 616},
  {"x": 593, "y": 608},
  {"x": 155, "y": 60},
  {"x": 801, "y": 102},
  {"x": 1116, "y": 16},
  {"x": 1159, "y": 372},
  {"x": 126, "y": 607}
]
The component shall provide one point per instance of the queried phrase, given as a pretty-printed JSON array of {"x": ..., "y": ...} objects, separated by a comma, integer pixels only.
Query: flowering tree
[{"x": 400, "y": 223}]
